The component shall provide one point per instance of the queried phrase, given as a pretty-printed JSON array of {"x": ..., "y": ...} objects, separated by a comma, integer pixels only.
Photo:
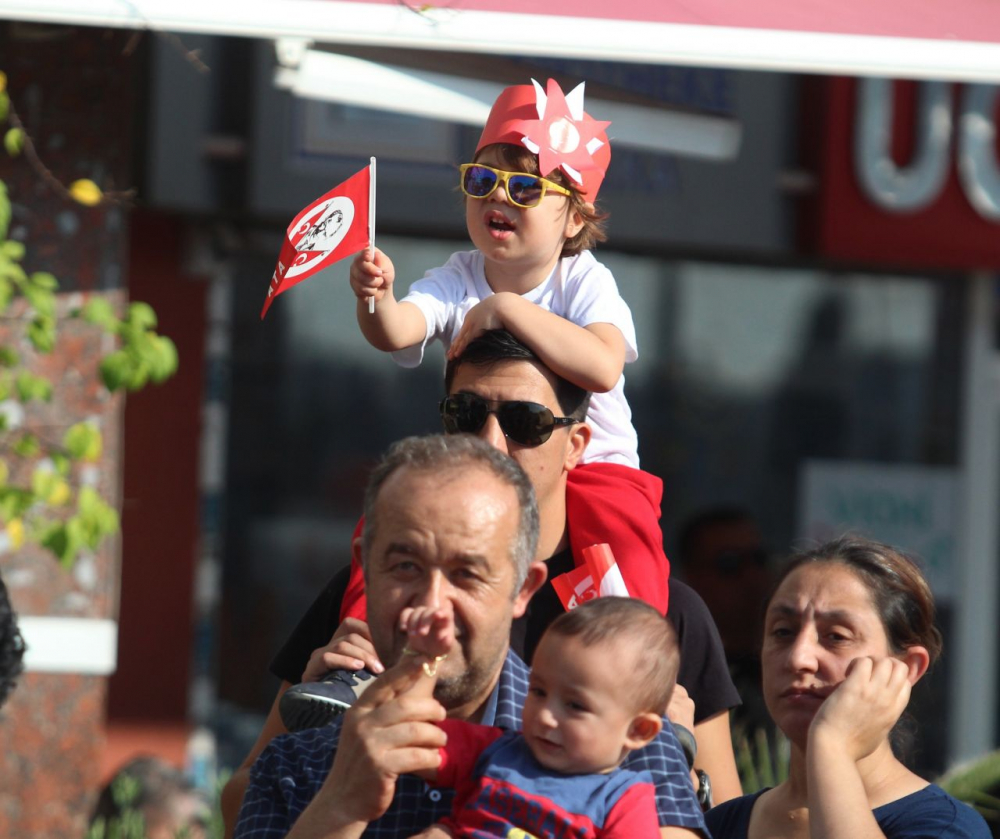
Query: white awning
[
  {"x": 314, "y": 74},
  {"x": 922, "y": 39}
]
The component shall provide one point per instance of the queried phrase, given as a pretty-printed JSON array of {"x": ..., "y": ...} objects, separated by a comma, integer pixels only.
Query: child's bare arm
[
  {"x": 393, "y": 325},
  {"x": 591, "y": 357}
]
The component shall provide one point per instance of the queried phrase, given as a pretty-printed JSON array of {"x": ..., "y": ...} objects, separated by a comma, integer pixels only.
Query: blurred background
[{"x": 804, "y": 218}]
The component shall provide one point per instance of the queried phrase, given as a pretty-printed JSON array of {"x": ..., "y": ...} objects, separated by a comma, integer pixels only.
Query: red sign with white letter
[{"x": 945, "y": 231}]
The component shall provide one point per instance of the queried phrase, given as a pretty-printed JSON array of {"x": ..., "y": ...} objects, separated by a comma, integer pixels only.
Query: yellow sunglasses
[{"x": 523, "y": 190}]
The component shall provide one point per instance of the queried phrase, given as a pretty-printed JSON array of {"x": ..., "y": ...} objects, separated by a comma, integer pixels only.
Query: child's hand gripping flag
[
  {"x": 598, "y": 576},
  {"x": 339, "y": 224}
]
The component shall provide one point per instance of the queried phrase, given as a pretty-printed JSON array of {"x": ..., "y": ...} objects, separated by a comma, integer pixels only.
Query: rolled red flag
[{"x": 598, "y": 576}]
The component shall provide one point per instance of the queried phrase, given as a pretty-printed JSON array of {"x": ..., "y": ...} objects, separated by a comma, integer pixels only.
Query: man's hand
[
  {"x": 388, "y": 732},
  {"x": 372, "y": 274},
  {"x": 350, "y": 649}
]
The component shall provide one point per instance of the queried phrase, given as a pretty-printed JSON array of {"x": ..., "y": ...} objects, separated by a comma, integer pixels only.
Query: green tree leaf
[
  {"x": 6, "y": 292},
  {"x": 61, "y": 463},
  {"x": 100, "y": 312},
  {"x": 42, "y": 300},
  {"x": 13, "y": 250},
  {"x": 59, "y": 540},
  {"x": 83, "y": 441},
  {"x": 4, "y": 210},
  {"x": 31, "y": 387},
  {"x": 50, "y": 487},
  {"x": 44, "y": 280},
  {"x": 13, "y": 141},
  {"x": 42, "y": 334},
  {"x": 142, "y": 316},
  {"x": 43, "y": 482},
  {"x": 4, "y": 105},
  {"x": 27, "y": 445},
  {"x": 14, "y": 501},
  {"x": 12, "y": 272},
  {"x": 95, "y": 520},
  {"x": 139, "y": 375},
  {"x": 163, "y": 360},
  {"x": 115, "y": 370}
]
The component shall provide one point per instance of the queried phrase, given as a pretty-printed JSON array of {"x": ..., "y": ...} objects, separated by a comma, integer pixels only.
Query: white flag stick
[{"x": 371, "y": 226}]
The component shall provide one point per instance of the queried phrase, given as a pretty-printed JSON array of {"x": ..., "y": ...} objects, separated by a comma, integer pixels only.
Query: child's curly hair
[{"x": 519, "y": 159}]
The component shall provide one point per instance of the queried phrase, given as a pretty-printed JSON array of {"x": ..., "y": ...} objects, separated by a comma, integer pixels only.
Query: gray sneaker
[{"x": 315, "y": 704}]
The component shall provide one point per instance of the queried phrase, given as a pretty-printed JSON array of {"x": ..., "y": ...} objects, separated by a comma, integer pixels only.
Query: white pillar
[{"x": 973, "y": 648}]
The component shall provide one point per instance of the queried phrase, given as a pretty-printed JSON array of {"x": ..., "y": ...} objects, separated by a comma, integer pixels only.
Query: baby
[{"x": 601, "y": 678}]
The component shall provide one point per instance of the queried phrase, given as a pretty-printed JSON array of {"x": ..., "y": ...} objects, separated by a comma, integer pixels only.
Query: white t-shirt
[{"x": 579, "y": 289}]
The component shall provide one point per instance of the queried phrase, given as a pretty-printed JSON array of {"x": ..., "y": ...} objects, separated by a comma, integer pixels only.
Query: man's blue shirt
[{"x": 290, "y": 771}]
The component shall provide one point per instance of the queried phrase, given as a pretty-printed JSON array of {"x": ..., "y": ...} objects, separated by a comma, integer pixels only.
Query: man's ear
[
  {"x": 643, "y": 729},
  {"x": 917, "y": 661},
  {"x": 537, "y": 574},
  {"x": 576, "y": 445}
]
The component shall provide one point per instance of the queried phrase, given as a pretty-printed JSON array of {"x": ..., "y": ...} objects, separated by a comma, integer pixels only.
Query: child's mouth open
[{"x": 499, "y": 225}]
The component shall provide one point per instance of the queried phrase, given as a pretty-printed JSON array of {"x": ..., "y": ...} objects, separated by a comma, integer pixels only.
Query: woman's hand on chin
[{"x": 858, "y": 715}]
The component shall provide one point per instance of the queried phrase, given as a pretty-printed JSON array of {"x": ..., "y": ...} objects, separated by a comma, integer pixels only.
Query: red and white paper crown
[{"x": 556, "y": 128}]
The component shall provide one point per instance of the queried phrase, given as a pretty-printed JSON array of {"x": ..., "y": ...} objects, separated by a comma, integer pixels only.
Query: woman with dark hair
[{"x": 848, "y": 631}]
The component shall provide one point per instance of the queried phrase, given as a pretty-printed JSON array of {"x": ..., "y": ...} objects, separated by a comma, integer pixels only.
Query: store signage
[
  {"x": 912, "y": 507},
  {"x": 910, "y": 188},
  {"x": 939, "y": 211}
]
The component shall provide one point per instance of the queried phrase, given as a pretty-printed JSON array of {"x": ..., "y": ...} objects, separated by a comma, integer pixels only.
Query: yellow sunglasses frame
[{"x": 502, "y": 178}]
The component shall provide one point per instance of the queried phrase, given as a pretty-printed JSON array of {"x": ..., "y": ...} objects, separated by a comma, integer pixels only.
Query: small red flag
[
  {"x": 337, "y": 225},
  {"x": 598, "y": 576}
]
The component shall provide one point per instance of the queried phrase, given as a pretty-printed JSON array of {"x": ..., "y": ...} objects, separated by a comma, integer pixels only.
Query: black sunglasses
[{"x": 527, "y": 423}]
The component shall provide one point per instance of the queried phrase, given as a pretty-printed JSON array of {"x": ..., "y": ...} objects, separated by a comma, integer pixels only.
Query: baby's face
[{"x": 579, "y": 713}]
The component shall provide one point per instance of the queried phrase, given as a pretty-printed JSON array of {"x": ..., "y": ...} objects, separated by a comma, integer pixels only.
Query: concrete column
[{"x": 973, "y": 648}]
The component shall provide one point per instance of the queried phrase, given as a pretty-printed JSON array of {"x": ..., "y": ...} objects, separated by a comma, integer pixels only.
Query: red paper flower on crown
[{"x": 556, "y": 128}]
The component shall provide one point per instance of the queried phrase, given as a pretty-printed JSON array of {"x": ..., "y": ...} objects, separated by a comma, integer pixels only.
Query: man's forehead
[
  {"x": 418, "y": 488},
  {"x": 462, "y": 509},
  {"x": 518, "y": 379}
]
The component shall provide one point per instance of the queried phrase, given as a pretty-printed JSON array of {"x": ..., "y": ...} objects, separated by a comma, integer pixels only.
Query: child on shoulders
[{"x": 530, "y": 212}]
